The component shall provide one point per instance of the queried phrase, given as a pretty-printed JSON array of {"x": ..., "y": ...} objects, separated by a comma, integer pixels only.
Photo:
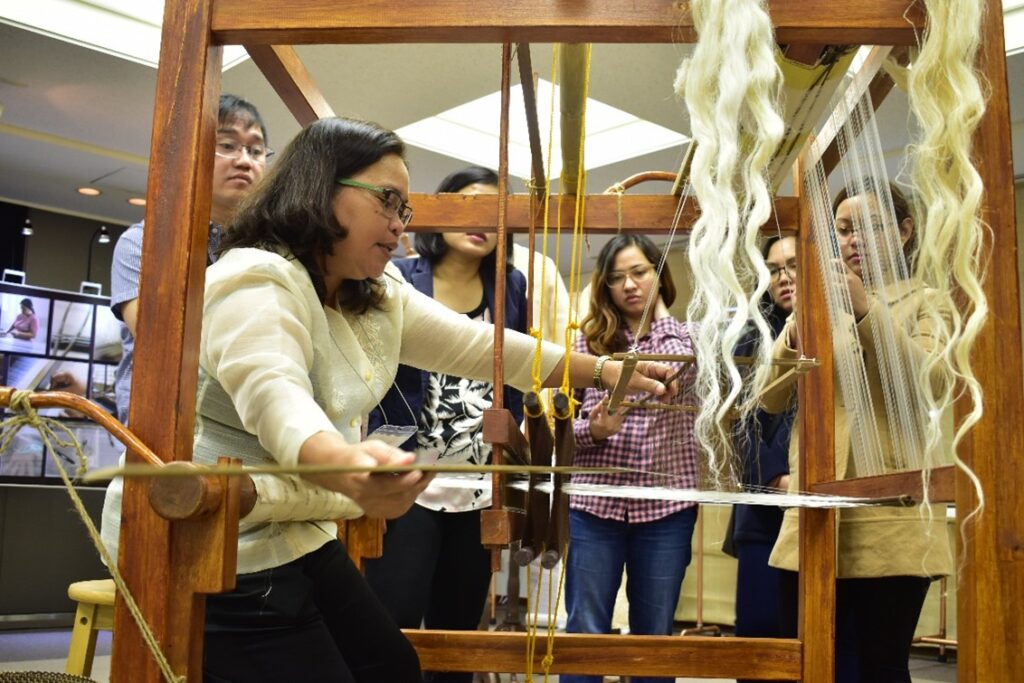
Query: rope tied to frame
[
  {"x": 619, "y": 190},
  {"x": 55, "y": 434},
  {"x": 26, "y": 416}
]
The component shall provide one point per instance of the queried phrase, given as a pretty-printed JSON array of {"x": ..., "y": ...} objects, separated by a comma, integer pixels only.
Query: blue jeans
[{"x": 654, "y": 554}]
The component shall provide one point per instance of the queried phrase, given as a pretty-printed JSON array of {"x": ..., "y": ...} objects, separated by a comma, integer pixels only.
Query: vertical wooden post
[
  {"x": 500, "y": 251},
  {"x": 991, "y": 589},
  {"x": 497, "y": 481},
  {"x": 160, "y": 561},
  {"x": 817, "y": 458}
]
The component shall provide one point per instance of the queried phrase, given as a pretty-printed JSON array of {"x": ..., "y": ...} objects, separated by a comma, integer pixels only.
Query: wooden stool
[{"x": 95, "y": 611}]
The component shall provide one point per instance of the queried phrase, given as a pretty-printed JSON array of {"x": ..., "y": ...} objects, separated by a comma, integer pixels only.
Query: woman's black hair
[
  {"x": 292, "y": 206},
  {"x": 27, "y": 303},
  {"x": 471, "y": 175},
  {"x": 431, "y": 245}
]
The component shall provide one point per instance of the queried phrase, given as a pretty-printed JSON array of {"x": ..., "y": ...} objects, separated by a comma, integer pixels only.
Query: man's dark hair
[{"x": 234, "y": 108}]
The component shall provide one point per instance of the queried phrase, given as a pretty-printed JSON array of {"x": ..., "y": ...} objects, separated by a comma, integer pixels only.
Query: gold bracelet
[{"x": 598, "y": 367}]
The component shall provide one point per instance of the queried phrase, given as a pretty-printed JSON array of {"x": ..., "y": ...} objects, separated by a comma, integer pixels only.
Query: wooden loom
[{"x": 168, "y": 564}]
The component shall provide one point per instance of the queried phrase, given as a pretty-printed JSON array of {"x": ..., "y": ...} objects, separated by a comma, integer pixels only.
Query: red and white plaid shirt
[{"x": 651, "y": 441}]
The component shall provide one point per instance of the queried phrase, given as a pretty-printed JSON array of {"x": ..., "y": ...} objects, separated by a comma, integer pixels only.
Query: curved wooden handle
[
  {"x": 642, "y": 177},
  {"x": 179, "y": 498},
  {"x": 64, "y": 399}
]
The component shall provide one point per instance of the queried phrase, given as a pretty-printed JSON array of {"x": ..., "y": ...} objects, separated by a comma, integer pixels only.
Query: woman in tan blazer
[{"x": 887, "y": 556}]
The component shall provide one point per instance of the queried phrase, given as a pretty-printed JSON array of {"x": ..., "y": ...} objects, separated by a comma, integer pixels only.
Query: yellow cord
[
  {"x": 554, "y": 602},
  {"x": 538, "y": 331},
  {"x": 574, "y": 288},
  {"x": 530, "y": 639}
]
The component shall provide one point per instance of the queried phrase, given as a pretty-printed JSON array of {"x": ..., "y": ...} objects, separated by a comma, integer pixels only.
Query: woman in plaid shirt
[{"x": 649, "y": 538}]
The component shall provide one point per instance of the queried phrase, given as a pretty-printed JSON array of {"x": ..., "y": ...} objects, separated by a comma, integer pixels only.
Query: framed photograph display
[
  {"x": 24, "y": 321},
  {"x": 52, "y": 340}
]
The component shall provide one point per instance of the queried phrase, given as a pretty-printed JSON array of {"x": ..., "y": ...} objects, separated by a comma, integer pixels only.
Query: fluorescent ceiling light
[
  {"x": 129, "y": 29},
  {"x": 470, "y": 132},
  {"x": 1013, "y": 26}
]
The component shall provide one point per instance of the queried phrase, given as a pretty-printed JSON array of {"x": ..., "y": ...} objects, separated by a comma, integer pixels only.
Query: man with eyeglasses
[{"x": 240, "y": 159}]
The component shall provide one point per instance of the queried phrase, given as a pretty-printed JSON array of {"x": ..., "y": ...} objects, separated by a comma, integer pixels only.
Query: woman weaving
[
  {"x": 887, "y": 556},
  {"x": 304, "y": 325}
]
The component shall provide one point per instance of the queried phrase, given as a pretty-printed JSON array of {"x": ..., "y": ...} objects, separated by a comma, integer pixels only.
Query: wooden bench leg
[{"x": 83, "y": 640}]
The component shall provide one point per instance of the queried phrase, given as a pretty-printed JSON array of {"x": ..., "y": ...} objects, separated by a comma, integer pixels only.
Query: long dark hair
[
  {"x": 291, "y": 207},
  {"x": 602, "y": 327},
  {"x": 431, "y": 245}
]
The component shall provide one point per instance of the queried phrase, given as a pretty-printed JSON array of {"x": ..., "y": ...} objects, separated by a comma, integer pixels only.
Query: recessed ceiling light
[
  {"x": 89, "y": 191},
  {"x": 137, "y": 201},
  {"x": 129, "y": 29},
  {"x": 470, "y": 132}
]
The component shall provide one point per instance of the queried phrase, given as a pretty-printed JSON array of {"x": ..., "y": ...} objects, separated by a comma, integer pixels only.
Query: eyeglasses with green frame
[{"x": 393, "y": 203}]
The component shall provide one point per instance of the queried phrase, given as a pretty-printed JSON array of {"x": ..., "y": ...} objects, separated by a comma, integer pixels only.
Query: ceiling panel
[{"x": 93, "y": 112}]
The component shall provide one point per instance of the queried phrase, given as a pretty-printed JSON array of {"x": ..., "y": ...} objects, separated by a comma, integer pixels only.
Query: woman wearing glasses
[
  {"x": 765, "y": 450},
  {"x": 887, "y": 556},
  {"x": 434, "y": 571},
  {"x": 304, "y": 325},
  {"x": 650, "y": 539}
]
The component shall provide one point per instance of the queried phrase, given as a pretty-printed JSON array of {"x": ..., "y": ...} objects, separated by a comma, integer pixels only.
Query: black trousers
[
  {"x": 312, "y": 620},
  {"x": 875, "y": 623},
  {"x": 757, "y": 592},
  {"x": 433, "y": 572}
]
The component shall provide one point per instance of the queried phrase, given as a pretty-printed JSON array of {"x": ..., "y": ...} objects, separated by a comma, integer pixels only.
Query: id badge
[{"x": 393, "y": 435}]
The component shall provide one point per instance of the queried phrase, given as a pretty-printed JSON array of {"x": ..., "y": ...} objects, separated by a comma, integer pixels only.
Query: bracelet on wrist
[{"x": 598, "y": 368}]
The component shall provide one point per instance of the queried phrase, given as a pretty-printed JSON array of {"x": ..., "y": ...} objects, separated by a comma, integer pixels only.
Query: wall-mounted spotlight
[{"x": 104, "y": 238}]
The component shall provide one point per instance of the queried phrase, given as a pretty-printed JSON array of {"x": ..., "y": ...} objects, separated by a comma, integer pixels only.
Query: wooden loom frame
[{"x": 168, "y": 565}]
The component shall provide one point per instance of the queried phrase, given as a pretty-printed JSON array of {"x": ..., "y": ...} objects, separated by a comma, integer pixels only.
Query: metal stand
[{"x": 940, "y": 638}]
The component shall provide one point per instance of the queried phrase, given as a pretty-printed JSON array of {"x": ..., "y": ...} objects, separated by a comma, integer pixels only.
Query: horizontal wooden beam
[
  {"x": 941, "y": 486},
  {"x": 605, "y": 213},
  {"x": 243, "y": 22},
  {"x": 766, "y": 659}
]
